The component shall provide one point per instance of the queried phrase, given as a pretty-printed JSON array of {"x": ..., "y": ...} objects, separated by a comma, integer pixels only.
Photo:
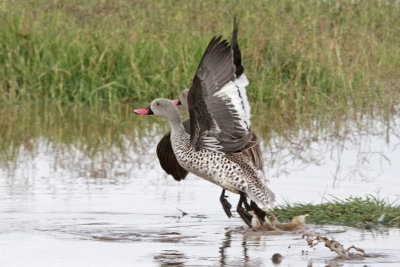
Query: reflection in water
[
  {"x": 226, "y": 243},
  {"x": 111, "y": 142},
  {"x": 170, "y": 258},
  {"x": 235, "y": 260},
  {"x": 84, "y": 184}
]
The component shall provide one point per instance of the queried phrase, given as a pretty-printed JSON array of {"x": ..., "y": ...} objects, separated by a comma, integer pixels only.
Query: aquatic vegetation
[
  {"x": 355, "y": 211},
  {"x": 306, "y": 55}
]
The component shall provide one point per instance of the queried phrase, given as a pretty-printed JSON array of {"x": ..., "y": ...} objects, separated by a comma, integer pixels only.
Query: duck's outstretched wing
[
  {"x": 217, "y": 100},
  {"x": 167, "y": 157},
  {"x": 237, "y": 56},
  {"x": 241, "y": 79}
]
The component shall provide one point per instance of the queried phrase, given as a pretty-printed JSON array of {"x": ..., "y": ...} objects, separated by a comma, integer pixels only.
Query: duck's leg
[
  {"x": 225, "y": 204},
  {"x": 246, "y": 217},
  {"x": 246, "y": 204},
  {"x": 259, "y": 212}
]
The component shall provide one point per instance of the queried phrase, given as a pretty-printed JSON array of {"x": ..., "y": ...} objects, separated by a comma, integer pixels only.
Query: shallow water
[{"x": 85, "y": 202}]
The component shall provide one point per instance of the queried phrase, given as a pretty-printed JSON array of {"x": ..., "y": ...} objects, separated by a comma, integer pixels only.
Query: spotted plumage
[{"x": 233, "y": 172}]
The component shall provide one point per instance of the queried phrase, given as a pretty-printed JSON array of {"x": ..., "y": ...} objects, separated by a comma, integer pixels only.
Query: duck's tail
[{"x": 260, "y": 193}]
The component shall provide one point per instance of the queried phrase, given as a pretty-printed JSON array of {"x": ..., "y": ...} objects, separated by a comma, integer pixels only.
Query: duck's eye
[{"x": 158, "y": 103}]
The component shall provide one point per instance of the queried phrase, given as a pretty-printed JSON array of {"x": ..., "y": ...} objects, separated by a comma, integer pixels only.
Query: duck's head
[
  {"x": 159, "y": 107},
  {"x": 182, "y": 99}
]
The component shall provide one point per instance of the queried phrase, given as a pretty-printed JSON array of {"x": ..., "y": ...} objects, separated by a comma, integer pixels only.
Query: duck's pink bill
[
  {"x": 176, "y": 101},
  {"x": 143, "y": 111}
]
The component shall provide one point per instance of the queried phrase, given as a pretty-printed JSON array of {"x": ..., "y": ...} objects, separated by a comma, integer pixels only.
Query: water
[{"x": 90, "y": 201}]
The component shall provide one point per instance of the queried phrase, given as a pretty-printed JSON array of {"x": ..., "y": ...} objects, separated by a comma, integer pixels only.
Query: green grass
[
  {"x": 306, "y": 55},
  {"x": 354, "y": 211}
]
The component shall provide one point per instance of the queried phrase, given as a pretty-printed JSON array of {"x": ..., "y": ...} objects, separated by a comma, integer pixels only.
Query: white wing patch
[
  {"x": 235, "y": 93},
  {"x": 241, "y": 83}
]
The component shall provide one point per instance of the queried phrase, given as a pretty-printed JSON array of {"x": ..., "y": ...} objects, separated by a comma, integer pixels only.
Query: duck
[
  {"x": 211, "y": 143},
  {"x": 252, "y": 150},
  {"x": 171, "y": 166}
]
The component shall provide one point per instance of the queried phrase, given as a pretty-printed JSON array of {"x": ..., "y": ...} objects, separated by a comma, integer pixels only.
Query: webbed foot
[
  {"x": 259, "y": 212},
  {"x": 246, "y": 217},
  {"x": 225, "y": 204}
]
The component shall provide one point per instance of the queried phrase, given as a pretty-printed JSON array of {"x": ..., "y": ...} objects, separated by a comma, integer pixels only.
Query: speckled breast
[{"x": 212, "y": 166}]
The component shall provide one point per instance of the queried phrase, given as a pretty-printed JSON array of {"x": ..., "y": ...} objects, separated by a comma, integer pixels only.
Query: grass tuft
[{"x": 353, "y": 211}]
